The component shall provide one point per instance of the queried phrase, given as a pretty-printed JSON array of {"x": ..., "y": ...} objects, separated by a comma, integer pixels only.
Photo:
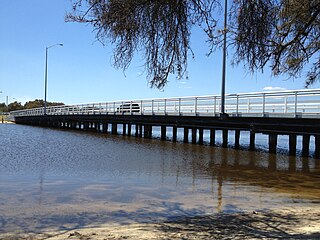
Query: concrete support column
[
  {"x": 124, "y": 129},
  {"x": 174, "y": 133},
  {"x": 212, "y": 137},
  {"x": 129, "y": 129},
  {"x": 186, "y": 135},
  {"x": 105, "y": 127},
  {"x": 140, "y": 130},
  {"x": 163, "y": 132},
  {"x": 237, "y": 139},
  {"x": 305, "y": 145},
  {"x": 148, "y": 131},
  {"x": 273, "y": 140},
  {"x": 137, "y": 130},
  {"x": 201, "y": 136},
  {"x": 194, "y": 135},
  {"x": 114, "y": 129},
  {"x": 292, "y": 144},
  {"x": 252, "y": 140},
  {"x": 224, "y": 138}
]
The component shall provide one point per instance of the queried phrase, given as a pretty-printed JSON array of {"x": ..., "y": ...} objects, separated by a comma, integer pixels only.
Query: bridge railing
[{"x": 297, "y": 103}]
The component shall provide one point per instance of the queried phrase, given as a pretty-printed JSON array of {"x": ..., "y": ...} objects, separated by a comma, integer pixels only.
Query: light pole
[
  {"x": 224, "y": 59},
  {"x": 46, "y": 77}
]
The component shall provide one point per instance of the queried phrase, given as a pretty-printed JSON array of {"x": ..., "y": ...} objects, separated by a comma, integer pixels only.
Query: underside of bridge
[{"x": 196, "y": 124}]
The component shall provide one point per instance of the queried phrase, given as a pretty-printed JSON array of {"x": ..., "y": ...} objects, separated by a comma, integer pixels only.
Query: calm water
[{"x": 52, "y": 179}]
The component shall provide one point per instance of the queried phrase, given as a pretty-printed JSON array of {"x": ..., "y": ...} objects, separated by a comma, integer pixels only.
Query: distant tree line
[{"x": 30, "y": 104}]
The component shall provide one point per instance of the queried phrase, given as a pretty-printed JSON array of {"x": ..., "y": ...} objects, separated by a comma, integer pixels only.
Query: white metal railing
[{"x": 293, "y": 103}]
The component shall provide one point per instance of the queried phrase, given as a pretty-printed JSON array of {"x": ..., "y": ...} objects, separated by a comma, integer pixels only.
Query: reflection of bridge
[{"x": 289, "y": 113}]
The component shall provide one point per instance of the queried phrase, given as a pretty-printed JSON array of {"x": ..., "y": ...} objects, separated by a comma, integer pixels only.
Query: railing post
[
  {"x": 106, "y": 108},
  {"x": 114, "y": 107},
  {"x": 215, "y": 105},
  {"x": 122, "y": 108},
  {"x": 285, "y": 104},
  {"x": 263, "y": 104},
  {"x": 165, "y": 107},
  {"x": 141, "y": 104},
  {"x": 195, "y": 106},
  {"x": 295, "y": 104},
  {"x": 248, "y": 110},
  {"x": 152, "y": 102},
  {"x": 179, "y": 106},
  {"x": 237, "y": 112}
]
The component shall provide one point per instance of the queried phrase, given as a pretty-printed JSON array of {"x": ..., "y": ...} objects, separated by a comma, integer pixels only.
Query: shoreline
[{"x": 302, "y": 223}]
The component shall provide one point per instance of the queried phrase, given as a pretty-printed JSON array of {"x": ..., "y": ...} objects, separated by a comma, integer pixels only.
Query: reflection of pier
[
  {"x": 290, "y": 113},
  {"x": 228, "y": 168}
]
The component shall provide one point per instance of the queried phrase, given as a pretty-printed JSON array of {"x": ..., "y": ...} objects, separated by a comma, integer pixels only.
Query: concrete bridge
[{"x": 290, "y": 113}]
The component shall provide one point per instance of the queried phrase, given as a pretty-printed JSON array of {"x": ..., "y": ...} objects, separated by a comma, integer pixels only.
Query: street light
[
  {"x": 46, "y": 76},
  {"x": 224, "y": 57}
]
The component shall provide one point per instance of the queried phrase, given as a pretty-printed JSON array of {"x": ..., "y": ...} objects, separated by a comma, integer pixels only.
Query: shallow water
[{"x": 53, "y": 179}]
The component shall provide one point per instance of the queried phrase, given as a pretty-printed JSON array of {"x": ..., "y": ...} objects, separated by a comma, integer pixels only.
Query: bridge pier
[
  {"x": 163, "y": 132},
  {"x": 114, "y": 129},
  {"x": 201, "y": 136},
  {"x": 174, "y": 133},
  {"x": 136, "y": 130},
  {"x": 140, "y": 130},
  {"x": 148, "y": 131},
  {"x": 86, "y": 126},
  {"x": 129, "y": 129},
  {"x": 98, "y": 127},
  {"x": 305, "y": 145},
  {"x": 224, "y": 138},
  {"x": 252, "y": 140},
  {"x": 124, "y": 129},
  {"x": 212, "y": 137},
  {"x": 237, "y": 139},
  {"x": 273, "y": 140},
  {"x": 194, "y": 135},
  {"x": 105, "y": 127},
  {"x": 186, "y": 135},
  {"x": 292, "y": 144}
]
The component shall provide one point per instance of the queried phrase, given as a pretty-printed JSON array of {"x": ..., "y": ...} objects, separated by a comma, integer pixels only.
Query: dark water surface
[{"x": 53, "y": 179}]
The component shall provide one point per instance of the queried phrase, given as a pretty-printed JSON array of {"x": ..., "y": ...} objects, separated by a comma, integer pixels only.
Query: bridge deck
[{"x": 275, "y": 113}]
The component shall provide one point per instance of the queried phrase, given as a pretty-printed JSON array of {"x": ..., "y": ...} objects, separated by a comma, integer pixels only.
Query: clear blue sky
[{"x": 81, "y": 70}]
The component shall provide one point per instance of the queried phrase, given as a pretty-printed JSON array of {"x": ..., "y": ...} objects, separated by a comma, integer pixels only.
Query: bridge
[{"x": 289, "y": 113}]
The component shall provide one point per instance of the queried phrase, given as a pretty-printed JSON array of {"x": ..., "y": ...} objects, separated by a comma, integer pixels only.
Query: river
[{"x": 56, "y": 179}]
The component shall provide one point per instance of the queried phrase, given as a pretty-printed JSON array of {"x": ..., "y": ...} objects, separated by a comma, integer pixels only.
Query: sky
[{"x": 81, "y": 71}]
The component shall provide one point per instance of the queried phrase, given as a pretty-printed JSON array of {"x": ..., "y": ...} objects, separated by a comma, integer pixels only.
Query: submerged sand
[{"x": 290, "y": 223}]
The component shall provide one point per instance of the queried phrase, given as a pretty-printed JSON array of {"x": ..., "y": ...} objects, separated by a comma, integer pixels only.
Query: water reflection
[{"x": 61, "y": 180}]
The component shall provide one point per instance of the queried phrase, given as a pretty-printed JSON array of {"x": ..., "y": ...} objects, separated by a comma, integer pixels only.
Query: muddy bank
[{"x": 276, "y": 224}]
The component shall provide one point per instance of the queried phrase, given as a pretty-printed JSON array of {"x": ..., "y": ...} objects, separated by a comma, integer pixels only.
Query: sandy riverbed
[{"x": 277, "y": 224}]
